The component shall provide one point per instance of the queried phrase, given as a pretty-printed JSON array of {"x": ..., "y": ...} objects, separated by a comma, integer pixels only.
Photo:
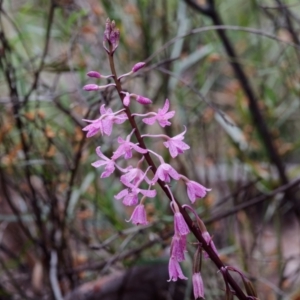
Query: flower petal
[{"x": 121, "y": 194}]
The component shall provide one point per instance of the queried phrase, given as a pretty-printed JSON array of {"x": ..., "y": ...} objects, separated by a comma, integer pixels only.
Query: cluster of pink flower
[{"x": 133, "y": 176}]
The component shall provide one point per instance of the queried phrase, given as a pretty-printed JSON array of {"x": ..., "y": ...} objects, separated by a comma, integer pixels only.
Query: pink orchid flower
[
  {"x": 126, "y": 147},
  {"x": 133, "y": 176},
  {"x": 105, "y": 123},
  {"x": 175, "y": 144},
  {"x": 195, "y": 190},
  {"x": 180, "y": 226},
  {"x": 164, "y": 172},
  {"x": 162, "y": 116},
  {"x": 210, "y": 242},
  {"x": 130, "y": 195},
  {"x": 178, "y": 247},
  {"x": 139, "y": 215},
  {"x": 110, "y": 164}
]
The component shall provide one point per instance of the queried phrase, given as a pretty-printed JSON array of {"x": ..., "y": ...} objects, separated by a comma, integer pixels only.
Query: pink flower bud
[
  {"x": 143, "y": 100},
  {"x": 126, "y": 99},
  {"x": 91, "y": 87},
  {"x": 114, "y": 38},
  {"x": 94, "y": 74},
  {"x": 138, "y": 66}
]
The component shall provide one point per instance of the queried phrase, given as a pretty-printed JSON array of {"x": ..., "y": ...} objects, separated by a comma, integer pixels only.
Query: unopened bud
[
  {"x": 91, "y": 87},
  {"x": 138, "y": 66},
  {"x": 107, "y": 29},
  {"x": 114, "y": 38},
  {"x": 94, "y": 74},
  {"x": 143, "y": 100},
  {"x": 126, "y": 99}
]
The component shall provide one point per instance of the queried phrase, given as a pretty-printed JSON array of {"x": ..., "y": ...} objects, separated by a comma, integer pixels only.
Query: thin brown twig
[
  {"x": 9, "y": 72},
  {"x": 45, "y": 51},
  {"x": 220, "y": 28},
  {"x": 253, "y": 201}
]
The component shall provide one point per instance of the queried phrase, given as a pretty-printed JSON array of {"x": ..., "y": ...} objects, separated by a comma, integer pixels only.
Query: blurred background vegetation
[{"x": 60, "y": 226}]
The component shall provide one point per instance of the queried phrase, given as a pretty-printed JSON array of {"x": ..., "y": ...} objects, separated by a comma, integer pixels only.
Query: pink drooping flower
[
  {"x": 139, "y": 215},
  {"x": 195, "y": 190},
  {"x": 164, "y": 172},
  {"x": 175, "y": 271},
  {"x": 180, "y": 225},
  {"x": 126, "y": 147},
  {"x": 162, "y": 116},
  {"x": 104, "y": 124},
  {"x": 104, "y": 161},
  {"x": 178, "y": 247},
  {"x": 198, "y": 286}
]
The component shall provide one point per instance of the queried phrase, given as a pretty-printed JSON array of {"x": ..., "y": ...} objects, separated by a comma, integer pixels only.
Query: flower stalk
[{"x": 183, "y": 224}]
